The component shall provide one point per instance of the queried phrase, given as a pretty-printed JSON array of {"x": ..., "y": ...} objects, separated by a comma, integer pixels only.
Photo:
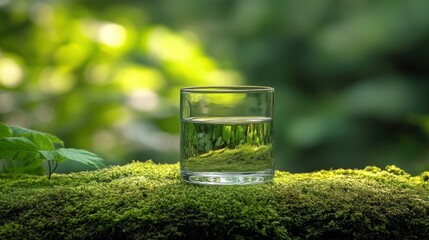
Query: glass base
[{"x": 227, "y": 178}]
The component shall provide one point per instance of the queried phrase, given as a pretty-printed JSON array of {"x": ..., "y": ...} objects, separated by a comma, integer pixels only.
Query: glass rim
[{"x": 226, "y": 89}]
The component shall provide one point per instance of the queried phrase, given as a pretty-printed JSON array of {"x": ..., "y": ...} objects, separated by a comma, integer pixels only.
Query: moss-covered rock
[{"x": 149, "y": 201}]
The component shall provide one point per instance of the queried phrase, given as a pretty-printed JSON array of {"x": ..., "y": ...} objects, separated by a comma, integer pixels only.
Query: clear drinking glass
[{"x": 227, "y": 134}]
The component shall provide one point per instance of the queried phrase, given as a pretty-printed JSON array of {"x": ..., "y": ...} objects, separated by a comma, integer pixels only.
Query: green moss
[
  {"x": 425, "y": 176},
  {"x": 244, "y": 158},
  {"x": 149, "y": 201}
]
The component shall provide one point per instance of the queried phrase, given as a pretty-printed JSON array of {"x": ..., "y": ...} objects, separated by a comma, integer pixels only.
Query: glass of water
[{"x": 227, "y": 134}]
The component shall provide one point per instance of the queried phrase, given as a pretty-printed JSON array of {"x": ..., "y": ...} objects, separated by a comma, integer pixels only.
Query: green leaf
[
  {"x": 21, "y": 154},
  {"x": 5, "y": 131},
  {"x": 54, "y": 139},
  {"x": 13, "y": 147},
  {"x": 45, "y": 141},
  {"x": 77, "y": 155},
  {"x": 51, "y": 155},
  {"x": 20, "y": 130},
  {"x": 40, "y": 140}
]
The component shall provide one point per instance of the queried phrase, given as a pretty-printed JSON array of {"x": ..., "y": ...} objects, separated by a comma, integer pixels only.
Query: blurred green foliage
[{"x": 351, "y": 77}]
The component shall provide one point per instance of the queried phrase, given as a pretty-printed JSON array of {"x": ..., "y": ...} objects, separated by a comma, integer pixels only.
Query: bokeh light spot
[
  {"x": 56, "y": 81},
  {"x": 143, "y": 100},
  {"x": 112, "y": 34},
  {"x": 103, "y": 140},
  {"x": 7, "y": 102},
  {"x": 70, "y": 55},
  {"x": 4, "y": 2},
  {"x": 42, "y": 14},
  {"x": 10, "y": 73},
  {"x": 98, "y": 74},
  {"x": 107, "y": 33},
  {"x": 44, "y": 113},
  {"x": 132, "y": 77},
  {"x": 169, "y": 46}
]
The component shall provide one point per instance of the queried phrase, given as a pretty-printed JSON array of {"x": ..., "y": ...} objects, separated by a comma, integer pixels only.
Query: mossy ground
[
  {"x": 244, "y": 158},
  {"x": 149, "y": 201}
]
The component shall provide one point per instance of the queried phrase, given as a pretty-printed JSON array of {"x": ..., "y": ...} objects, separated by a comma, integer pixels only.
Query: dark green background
[{"x": 351, "y": 77}]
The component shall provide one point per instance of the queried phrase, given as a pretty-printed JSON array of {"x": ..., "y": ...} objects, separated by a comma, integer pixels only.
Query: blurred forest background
[{"x": 351, "y": 77}]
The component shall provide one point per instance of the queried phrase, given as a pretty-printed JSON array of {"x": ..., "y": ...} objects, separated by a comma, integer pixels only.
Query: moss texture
[
  {"x": 149, "y": 201},
  {"x": 244, "y": 158}
]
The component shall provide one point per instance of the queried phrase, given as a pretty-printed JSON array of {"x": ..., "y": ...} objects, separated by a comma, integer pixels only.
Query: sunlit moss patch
[{"x": 149, "y": 201}]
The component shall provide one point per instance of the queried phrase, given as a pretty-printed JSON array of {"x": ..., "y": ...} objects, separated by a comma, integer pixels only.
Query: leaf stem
[
  {"x": 11, "y": 167},
  {"x": 50, "y": 168},
  {"x": 56, "y": 165}
]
